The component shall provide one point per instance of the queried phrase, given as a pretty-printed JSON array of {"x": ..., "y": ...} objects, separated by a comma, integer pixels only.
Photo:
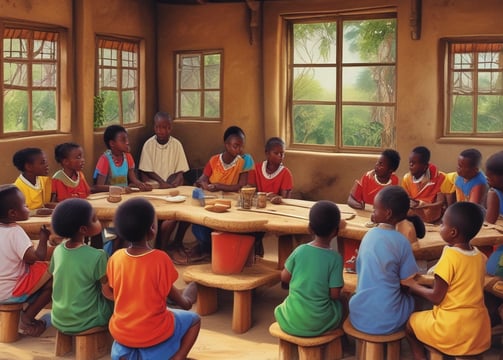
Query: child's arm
[
  {"x": 335, "y": 293},
  {"x": 106, "y": 290},
  {"x": 134, "y": 181},
  {"x": 243, "y": 178},
  {"x": 175, "y": 179},
  {"x": 352, "y": 201},
  {"x": 285, "y": 193},
  {"x": 100, "y": 184},
  {"x": 493, "y": 206},
  {"x": 31, "y": 255},
  {"x": 203, "y": 182},
  {"x": 477, "y": 193},
  {"x": 435, "y": 295},
  {"x": 186, "y": 298}
]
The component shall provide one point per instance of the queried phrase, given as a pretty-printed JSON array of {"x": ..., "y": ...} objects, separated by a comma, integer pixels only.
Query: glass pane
[
  {"x": 15, "y": 48},
  {"x": 44, "y": 110},
  {"x": 129, "y": 107},
  {"x": 489, "y": 112},
  {"x": 128, "y": 78},
  {"x": 129, "y": 59},
  {"x": 490, "y": 82},
  {"x": 314, "y": 124},
  {"x": 190, "y": 75},
  {"x": 489, "y": 60},
  {"x": 368, "y": 126},
  {"x": 368, "y": 83},
  {"x": 15, "y": 74},
  {"x": 108, "y": 78},
  {"x": 190, "y": 103},
  {"x": 212, "y": 104},
  {"x": 108, "y": 57},
  {"x": 369, "y": 41},
  {"x": 462, "y": 114},
  {"x": 15, "y": 111},
  {"x": 462, "y": 82},
  {"x": 212, "y": 71},
  {"x": 110, "y": 107},
  {"x": 314, "y": 83},
  {"x": 463, "y": 61},
  {"x": 44, "y": 49},
  {"x": 44, "y": 75},
  {"x": 314, "y": 43}
]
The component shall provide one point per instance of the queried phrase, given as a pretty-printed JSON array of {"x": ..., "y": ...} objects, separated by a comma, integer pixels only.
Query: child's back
[
  {"x": 314, "y": 274},
  {"x": 308, "y": 309},
  {"x": 459, "y": 322},
  {"x": 77, "y": 302},
  {"x": 384, "y": 259}
]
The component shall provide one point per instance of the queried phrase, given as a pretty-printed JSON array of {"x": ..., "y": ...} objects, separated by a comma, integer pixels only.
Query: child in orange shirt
[
  {"x": 139, "y": 281},
  {"x": 365, "y": 190}
]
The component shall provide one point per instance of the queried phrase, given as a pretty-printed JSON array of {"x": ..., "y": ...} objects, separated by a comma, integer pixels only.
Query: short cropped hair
[
  {"x": 233, "y": 131},
  {"x": 62, "y": 151},
  {"x": 272, "y": 142},
  {"x": 424, "y": 154},
  {"x": 467, "y": 217},
  {"x": 163, "y": 115},
  {"x": 133, "y": 219},
  {"x": 396, "y": 199},
  {"x": 473, "y": 156},
  {"x": 324, "y": 218},
  {"x": 25, "y": 156},
  {"x": 393, "y": 158},
  {"x": 111, "y": 133},
  {"x": 7, "y": 193},
  {"x": 69, "y": 215},
  {"x": 495, "y": 163}
]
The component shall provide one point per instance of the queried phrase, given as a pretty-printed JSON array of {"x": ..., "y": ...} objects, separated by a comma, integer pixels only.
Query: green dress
[
  {"x": 308, "y": 309},
  {"x": 77, "y": 302}
]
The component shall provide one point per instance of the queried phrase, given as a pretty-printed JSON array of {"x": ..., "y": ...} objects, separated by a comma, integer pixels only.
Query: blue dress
[
  {"x": 379, "y": 306},
  {"x": 466, "y": 186}
]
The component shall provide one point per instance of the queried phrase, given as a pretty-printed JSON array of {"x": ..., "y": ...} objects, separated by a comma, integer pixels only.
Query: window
[
  {"x": 199, "y": 85},
  {"x": 31, "y": 80},
  {"x": 117, "y": 97},
  {"x": 474, "y": 88},
  {"x": 341, "y": 79}
]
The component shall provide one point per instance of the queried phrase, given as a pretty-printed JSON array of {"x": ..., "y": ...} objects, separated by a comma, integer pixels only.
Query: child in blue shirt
[{"x": 471, "y": 184}]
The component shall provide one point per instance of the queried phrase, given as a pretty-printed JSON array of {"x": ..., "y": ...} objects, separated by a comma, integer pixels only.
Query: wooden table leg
[
  {"x": 285, "y": 248},
  {"x": 206, "y": 300},
  {"x": 241, "y": 311}
]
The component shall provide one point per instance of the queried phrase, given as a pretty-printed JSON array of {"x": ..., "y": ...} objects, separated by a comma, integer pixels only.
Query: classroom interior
[{"x": 252, "y": 36}]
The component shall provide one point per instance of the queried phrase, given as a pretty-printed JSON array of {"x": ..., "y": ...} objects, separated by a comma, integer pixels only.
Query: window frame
[
  {"x": 60, "y": 88},
  {"x": 177, "y": 100},
  {"x": 339, "y": 18},
  {"x": 446, "y": 58},
  {"x": 136, "y": 44}
]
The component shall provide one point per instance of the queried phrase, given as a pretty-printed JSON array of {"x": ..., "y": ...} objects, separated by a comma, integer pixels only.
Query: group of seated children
[{"x": 105, "y": 291}]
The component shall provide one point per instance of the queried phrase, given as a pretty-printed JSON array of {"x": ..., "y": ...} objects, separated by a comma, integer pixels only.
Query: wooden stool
[
  {"x": 327, "y": 346},
  {"x": 371, "y": 347},
  {"x": 89, "y": 345},
  {"x": 9, "y": 321},
  {"x": 260, "y": 274},
  {"x": 437, "y": 355}
]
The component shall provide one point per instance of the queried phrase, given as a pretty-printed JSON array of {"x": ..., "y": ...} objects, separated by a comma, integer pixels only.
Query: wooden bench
[
  {"x": 89, "y": 345},
  {"x": 9, "y": 322},
  {"x": 327, "y": 346},
  {"x": 371, "y": 347},
  {"x": 261, "y": 273}
]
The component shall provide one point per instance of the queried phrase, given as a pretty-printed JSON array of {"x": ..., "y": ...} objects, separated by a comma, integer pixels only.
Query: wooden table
[{"x": 284, "y": 220}]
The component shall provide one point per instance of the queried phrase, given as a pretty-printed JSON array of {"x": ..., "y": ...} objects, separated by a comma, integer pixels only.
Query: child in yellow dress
[{"x": 459, "y": 322}]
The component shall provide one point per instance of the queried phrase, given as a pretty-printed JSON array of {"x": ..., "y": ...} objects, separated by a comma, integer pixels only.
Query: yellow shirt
[
  {"x": 448, "y": 186},
  {"x": 36, "y": 195},
  {"x": 460, "y": 324}
]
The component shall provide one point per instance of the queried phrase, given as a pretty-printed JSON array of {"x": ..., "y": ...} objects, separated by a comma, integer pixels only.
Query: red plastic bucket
[{"x": 229, "y": 252}]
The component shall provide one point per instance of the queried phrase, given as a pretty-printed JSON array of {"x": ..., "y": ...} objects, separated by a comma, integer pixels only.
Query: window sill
[{"x": 470, "y": 140}]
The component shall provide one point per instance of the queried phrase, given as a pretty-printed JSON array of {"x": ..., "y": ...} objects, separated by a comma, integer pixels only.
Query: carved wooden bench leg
[
  {"x": 9, "y": 322},
  {"x": 287, "y": 350},
  {"x": 241, "y": 311},
  {"x": 64, "y": 343},
  {"x": 207, "y": 302},
  {"x": 333, "y": 350}
]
